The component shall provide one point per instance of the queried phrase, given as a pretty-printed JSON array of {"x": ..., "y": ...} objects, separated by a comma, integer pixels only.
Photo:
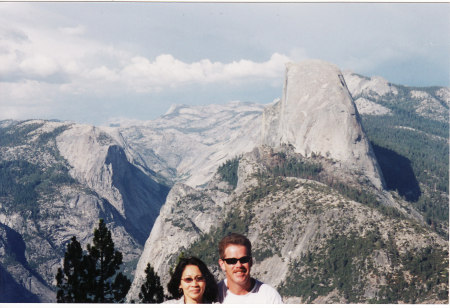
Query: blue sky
[{"x": 94, "y": 62}]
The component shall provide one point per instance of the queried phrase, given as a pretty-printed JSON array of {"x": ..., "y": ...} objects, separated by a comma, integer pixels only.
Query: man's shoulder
[
  {"x": 270, "y": 294},
  {"x": 264, "y": 287},
  {"x": 260, "y": 293}
]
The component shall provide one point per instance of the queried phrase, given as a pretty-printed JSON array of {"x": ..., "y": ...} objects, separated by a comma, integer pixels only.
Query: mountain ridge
[
  {"x": 182, "y": 151},
  {"x": 249, "y": 204}
]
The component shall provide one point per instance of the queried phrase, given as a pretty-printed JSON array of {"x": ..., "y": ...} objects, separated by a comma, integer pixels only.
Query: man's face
[{"x": 238, "y": 273}]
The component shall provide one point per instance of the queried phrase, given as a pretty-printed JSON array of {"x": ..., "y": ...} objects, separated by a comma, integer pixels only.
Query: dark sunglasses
[
  {"x": 189, "y": 279},
  {"x": 243, "y": 260}
]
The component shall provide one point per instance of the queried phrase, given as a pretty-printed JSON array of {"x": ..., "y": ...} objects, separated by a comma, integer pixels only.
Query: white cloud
[
  {"x": 52, "y": 53},
  {"x": 46, "y": 67},
  {"x": 77, "y": 30},
  {"x": 166, "y": 71},
  {"x": 84, "y": 65},
  {"x": 76, "y": 64},
  {"x": 26, "y": 99},
  {"x": 40, "y": 65}
]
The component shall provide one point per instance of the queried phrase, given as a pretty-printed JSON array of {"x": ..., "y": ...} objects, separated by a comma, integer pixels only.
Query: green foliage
[
  {"x": 263, "y": 253},
  {"x": 426, "y": 148},
  {"x": 45, "y": 137},
  {"x": 17, "y": 134},
  {"x": 71, "y": 280},
  {"x": 293, "y": 167},
  {"x": 338, "y": 265},
  {"x": 104, "y": 261},
  {"x": 119, "y": 289},
  {"x": 92, "y": 277},
  {"x": 427, "y": 271},
  {"x": 206, "y": 247},
  {"x": 229, "y": 171},
  {"x": 364, "y": 197},
  {"x": 345, "y": 262},
  {"x": 151, "y": 289},
  {"x": 21, "y": 183},
  {"x": 268, "y": 185},
  {"x": 274, "y": 181}
]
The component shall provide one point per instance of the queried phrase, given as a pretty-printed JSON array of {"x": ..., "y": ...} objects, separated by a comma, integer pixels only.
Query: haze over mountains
[{"x": 156, "y": 185}]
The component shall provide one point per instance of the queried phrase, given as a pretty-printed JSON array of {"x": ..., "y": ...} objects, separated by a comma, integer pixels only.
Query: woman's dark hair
[{"x": 211, "y": 289}]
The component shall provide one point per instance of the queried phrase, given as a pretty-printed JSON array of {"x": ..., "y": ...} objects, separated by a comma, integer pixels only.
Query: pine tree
[
  {"x": 104, "y": 262},
  {"x": 120, "y": 288},
  {"x": 92, "y": 277},
  {"x": 151, "y": 290},
  {"x": 70, "y": 279}
]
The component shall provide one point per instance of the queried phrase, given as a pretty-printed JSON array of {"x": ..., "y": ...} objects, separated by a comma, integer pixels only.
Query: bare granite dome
[{"x": 317, "y": 115}]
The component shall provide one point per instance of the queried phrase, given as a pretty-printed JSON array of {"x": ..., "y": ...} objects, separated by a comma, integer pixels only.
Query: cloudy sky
[{"x": 96, "y": 62}]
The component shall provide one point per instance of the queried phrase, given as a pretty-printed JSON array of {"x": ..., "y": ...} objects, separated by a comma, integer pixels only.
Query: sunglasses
[
  {"x": 189, "y": 279},
  {"x": 243, "y": 260}
]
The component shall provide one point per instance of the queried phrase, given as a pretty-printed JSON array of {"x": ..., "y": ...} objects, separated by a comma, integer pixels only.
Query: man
[{"x": 235, "y": 251}]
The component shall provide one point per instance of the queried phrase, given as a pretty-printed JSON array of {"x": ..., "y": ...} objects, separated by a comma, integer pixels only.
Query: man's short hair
[{"x": 234, "y": 239}]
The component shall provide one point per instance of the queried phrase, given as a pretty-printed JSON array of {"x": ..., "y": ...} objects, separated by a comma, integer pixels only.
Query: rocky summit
[
  {"x": 317, "y": 115},
  {"x": 311, "y": 198},
  {"x": 341, "y": 185}
]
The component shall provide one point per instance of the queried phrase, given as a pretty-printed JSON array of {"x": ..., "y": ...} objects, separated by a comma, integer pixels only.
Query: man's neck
[{"x": 241, "y": 289}]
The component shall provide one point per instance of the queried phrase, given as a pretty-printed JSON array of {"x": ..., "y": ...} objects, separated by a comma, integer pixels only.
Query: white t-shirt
[{"x": 260, "y": 294}]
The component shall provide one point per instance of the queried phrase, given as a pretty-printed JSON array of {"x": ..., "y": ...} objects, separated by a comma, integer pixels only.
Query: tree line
[
  {"x": 427, "y": 156},
  {"x": 94, "y": 276}
]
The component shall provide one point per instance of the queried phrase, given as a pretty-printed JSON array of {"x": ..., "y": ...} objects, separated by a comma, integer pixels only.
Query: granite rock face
[
  {"x": 188, "y": 143},
  {"x": 102, "y": 160},
  {"x": 123, "y": 174},
  {"x": 187, "y": 214},
  {"x": 317, "y": 115},
  {"x": 76, "y": 174},
  {"x": 292, "y": 218},
  {"x": 316, "y": 121}
]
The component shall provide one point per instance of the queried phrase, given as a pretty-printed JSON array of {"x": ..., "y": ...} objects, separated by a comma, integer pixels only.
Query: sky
[{"x": 100, "y": 62}]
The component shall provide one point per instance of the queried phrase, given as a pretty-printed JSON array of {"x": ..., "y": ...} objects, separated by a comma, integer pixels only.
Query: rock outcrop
[
  {"x": 287, "y": 220},
  {"x": 317, "y": 115},
  {"x": 103, "y": 161},
  {"x": 188, "y": 143},
  {"x": 296, "y": 213},
  {"x": 186, "y": 215},
  {"x": 74, "y": 175}
]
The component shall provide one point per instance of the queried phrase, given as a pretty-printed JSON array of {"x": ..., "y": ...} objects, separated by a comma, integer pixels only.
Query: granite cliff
[
  {"x": 310, "y": 187},
  {"x": 297, "y": 197}
]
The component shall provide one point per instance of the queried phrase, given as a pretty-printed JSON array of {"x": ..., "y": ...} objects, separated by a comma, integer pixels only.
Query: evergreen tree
[
  {"x": 70, "y": 280},
  {"x": 151, "y": 290},
  {"x": 120, "y": 288},
  {"x": 92, "y": 277},
  {"x": 103, "y": 263}
]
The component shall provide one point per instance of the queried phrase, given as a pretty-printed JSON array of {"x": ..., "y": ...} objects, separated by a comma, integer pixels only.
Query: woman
[{"x": 192, "y": 283}]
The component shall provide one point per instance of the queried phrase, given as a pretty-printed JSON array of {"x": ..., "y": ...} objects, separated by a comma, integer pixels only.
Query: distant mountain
[
  {"x": 57, "y": 180},
  {"x": 381, "y": 183},
  {"x": 324, "y": 227},
  {"x": 317, "y": 115},
  {"x": 189, "y": 142}
]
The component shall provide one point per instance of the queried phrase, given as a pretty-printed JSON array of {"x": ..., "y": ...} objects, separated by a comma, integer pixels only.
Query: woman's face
[{"x": 193, "y": 284}]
